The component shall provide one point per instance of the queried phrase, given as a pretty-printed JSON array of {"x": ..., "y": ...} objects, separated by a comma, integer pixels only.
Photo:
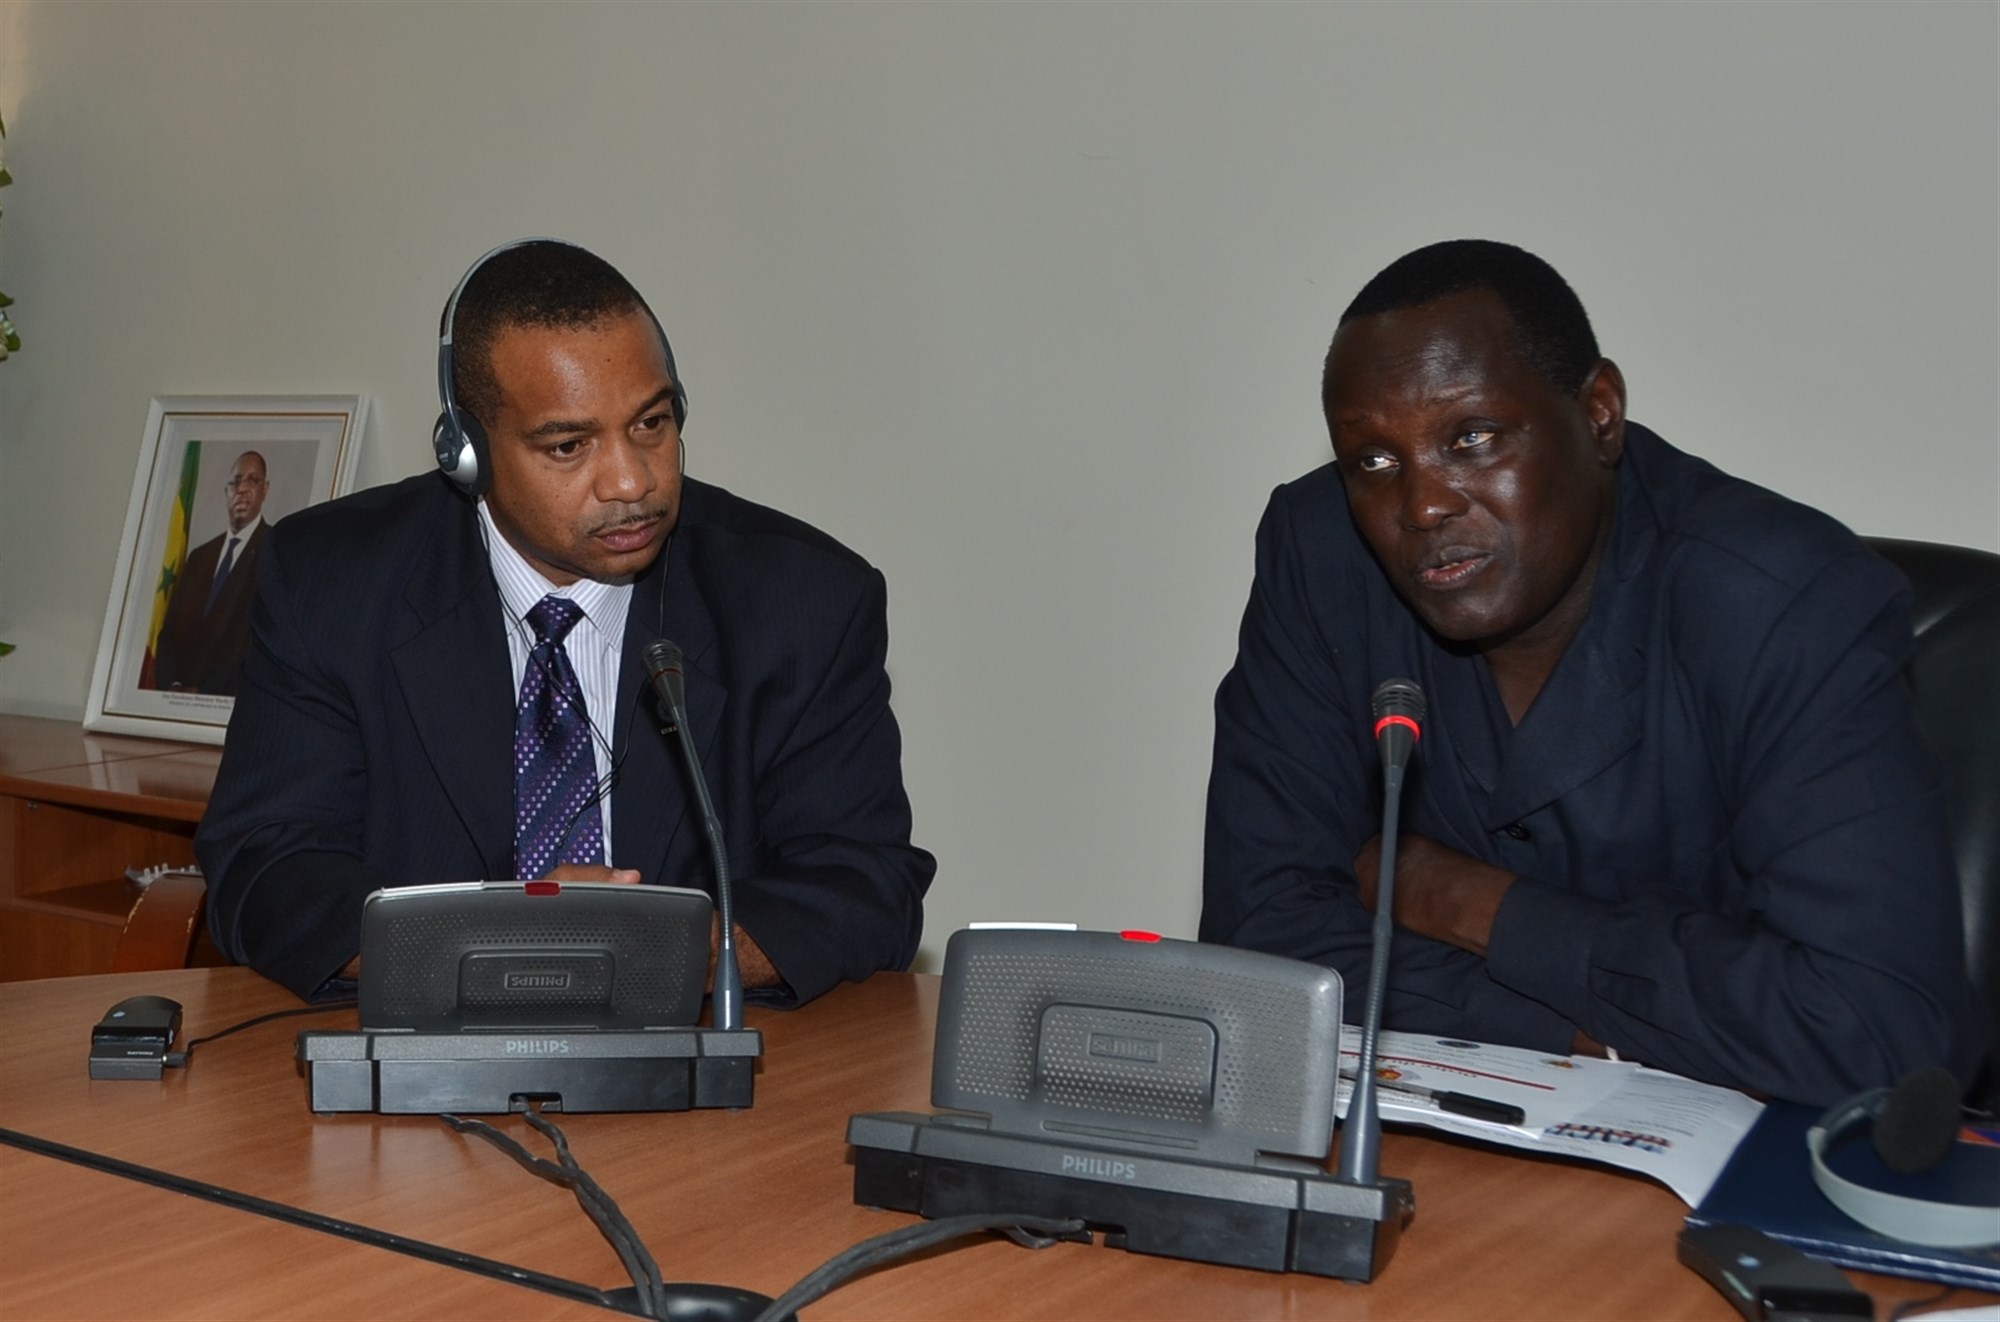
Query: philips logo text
[
  {"x": 536, "y": 982},
  {"x": 1104, "y": 1168},
  {"x": 1112, "y": 1047},
  {"x": 537, "y": 1046}
]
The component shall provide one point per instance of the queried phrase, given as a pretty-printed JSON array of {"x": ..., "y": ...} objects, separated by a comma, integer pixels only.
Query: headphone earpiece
[
  {"x": 458, "y": 442},
  {"x": 460, "y": 445}
]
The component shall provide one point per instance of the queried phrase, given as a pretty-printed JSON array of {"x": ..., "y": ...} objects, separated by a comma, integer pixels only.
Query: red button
[
  {"x": 542, "y": 888},
  {"x": 1134, "y": 934}
]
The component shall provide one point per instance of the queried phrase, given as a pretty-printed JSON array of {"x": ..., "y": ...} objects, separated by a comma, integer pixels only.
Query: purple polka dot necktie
[{"x": 556, "y": 818}]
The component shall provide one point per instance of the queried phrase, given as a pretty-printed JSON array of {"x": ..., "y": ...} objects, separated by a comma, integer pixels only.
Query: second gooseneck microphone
[
  {"x": 1399, "y": 716},
  {"x": 664, "y": 668}
]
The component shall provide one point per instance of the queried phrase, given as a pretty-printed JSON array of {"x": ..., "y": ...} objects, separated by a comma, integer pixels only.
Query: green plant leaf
[
  {"x": 5, "y": 178},
  {"x": 6, "y": 302},
  {"x": 6, "y": 648}
]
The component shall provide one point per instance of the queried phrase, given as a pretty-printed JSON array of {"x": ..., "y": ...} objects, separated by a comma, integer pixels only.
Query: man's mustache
[{"x": 633, "y": 519}]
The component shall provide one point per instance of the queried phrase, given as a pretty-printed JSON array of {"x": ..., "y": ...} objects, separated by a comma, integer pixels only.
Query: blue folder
[{"x": 1768, "y": 1186}]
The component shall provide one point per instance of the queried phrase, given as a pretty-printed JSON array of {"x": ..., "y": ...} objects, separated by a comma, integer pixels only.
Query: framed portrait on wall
[{"x": 215, "y": 472}]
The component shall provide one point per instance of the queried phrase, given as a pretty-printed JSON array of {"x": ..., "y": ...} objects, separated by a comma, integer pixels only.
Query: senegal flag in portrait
[{"x": 175, "y": 557}]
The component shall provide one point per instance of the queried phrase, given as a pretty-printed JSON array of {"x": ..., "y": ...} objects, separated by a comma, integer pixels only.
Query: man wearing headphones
[{"x": 444, "y": 679}]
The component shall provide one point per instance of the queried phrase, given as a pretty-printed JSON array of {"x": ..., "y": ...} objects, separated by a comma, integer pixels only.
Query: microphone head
[
  {"x": 662, "y": 658},
  {"x": 1399, "y": 697},
  {"x": 662, "y": 655}
]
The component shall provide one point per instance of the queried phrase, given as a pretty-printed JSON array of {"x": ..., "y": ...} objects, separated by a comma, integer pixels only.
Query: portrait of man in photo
[{"x": 206, "y": 629}]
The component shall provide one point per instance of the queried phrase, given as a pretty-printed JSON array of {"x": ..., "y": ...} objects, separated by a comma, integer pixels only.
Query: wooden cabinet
[{"x": 77, "y": 810}]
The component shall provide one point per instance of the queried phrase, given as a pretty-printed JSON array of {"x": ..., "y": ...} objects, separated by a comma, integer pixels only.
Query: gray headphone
[
  {"x": 458, "y": 440},
  {"x": 1915, "y": 1125}
]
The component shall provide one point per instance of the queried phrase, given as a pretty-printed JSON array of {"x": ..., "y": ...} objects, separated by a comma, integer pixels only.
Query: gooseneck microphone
[
  {"x": 663, "y": 667},
  {"x": 1399, "y": 715}
]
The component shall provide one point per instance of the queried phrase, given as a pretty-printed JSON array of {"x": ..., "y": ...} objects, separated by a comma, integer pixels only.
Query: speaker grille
[
  {"x": 650, "y": 965},
  {"x": 443, "y": 959},
  {"x": 1012, "y": 1000}
]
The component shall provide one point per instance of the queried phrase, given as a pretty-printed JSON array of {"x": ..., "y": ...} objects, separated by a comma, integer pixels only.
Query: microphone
[
  {"x": 663, "y": 668},
  {"x": 662, "y": 659},
  {"x": 1399, "y": 715}
]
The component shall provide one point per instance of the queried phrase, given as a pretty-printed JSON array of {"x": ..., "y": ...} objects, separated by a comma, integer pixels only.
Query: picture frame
[{"x": 214, "y": 473}]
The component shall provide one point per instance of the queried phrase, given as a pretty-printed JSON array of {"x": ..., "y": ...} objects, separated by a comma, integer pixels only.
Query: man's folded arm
[
  {"x": 835, "y": 890},
  {"x": 1844, "y": 967}
]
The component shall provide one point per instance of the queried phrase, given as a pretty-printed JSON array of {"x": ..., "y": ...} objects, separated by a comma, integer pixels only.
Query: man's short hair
[
  {"x": 1552, "y": 331},
  {"x": 542, "y": 284}
]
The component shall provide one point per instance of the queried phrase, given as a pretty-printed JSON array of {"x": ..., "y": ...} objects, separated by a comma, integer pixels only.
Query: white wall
[{"x": 1024, "y": 302}]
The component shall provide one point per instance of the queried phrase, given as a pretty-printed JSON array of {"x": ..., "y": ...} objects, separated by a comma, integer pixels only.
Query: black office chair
[{"x": 1954, "y": 674}]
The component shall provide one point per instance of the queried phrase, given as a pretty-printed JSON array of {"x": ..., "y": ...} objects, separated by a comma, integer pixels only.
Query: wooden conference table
[{"x": 752, "y": 1198}]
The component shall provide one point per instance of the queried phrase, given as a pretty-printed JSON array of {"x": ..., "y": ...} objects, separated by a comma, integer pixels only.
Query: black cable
[
  {"x": 298, "y": 1216},
  {"x": 586, "y": 1183},
  {"x": 598, "y": 1205},
  {"x": 179, "y": 1059},
  {"x": 1029, "y": 1231},
  {"x": 618, "y": 1235}
]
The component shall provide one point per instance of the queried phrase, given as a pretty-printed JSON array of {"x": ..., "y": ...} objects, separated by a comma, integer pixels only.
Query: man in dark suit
[
  {"x": 1669, "y": 799},
  {"x": 207, "y": 628},
  {"x": 387, "y": 729}
]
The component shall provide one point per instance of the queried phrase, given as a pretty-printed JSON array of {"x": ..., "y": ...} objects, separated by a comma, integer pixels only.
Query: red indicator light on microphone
[
  {"x": 1416, "y": 732},
  {"x": 1134, "y": 934},
  {"x": 542, "y": 888}
]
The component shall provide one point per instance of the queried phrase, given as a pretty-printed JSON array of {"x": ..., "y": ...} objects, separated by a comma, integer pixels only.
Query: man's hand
[
  {"x": 1440, "y": 892},
  {"x": 594, "y": 872},
  {"x": 751, "y": 961}
]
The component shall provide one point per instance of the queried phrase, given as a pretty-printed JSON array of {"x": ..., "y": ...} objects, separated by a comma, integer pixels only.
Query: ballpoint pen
[{"x": 1457, "y": 1103}]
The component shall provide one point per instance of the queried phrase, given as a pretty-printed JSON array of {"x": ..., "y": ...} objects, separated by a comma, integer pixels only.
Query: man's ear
[{"x": 1603, "y": 402}]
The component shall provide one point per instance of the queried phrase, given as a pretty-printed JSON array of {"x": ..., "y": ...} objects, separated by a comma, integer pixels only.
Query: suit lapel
[
  {"x": 651, "y": 802},
  {"x": 458, "y": 685}
]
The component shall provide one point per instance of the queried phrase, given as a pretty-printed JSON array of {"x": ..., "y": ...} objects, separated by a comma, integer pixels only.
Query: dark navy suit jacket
[
  {"x": 371, "y": 744},
  {"x": 201, "y": 648},
  {"x": 1731, "y": 848}
]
